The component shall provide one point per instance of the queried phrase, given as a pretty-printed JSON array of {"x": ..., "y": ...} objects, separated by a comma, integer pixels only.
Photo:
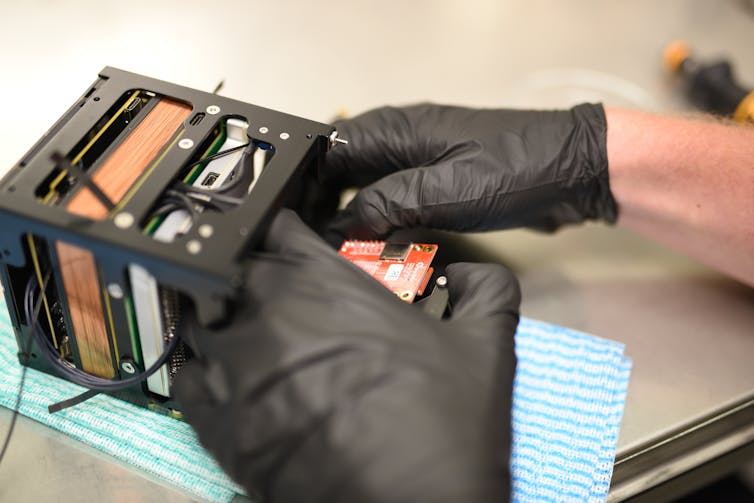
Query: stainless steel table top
[{"x": 688, "y": 329}]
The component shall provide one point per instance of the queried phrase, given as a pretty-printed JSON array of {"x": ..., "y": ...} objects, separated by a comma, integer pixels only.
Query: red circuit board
[{"x": 404, "y": 268}]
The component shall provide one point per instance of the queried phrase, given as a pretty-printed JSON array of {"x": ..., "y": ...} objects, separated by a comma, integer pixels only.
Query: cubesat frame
[{"x": 54, "y": 210}]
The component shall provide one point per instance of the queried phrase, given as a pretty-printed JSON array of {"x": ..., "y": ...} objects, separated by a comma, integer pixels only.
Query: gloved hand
[
  {"x": 462, "y": 169},
  {"x": 328, "y": 388}
]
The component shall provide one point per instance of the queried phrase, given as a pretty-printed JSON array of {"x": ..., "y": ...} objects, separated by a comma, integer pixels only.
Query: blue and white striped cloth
[
  {"x": 568, "y": 399},
  {"x": 567, "y": 405}
]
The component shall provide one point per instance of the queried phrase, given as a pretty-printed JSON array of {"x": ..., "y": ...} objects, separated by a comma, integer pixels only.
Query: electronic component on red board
[{"x": 404, "y": 268}]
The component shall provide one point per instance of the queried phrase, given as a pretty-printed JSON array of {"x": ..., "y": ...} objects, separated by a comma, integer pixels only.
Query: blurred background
[
  {"x": 315, "y": 58},
  {"x": 319, "y": 59}
]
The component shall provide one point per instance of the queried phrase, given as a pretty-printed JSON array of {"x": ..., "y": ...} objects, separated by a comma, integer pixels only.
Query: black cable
[
  {"x": 77, "y": 376},
  {"x": 239, "y": 178},
  {"x": 174, "y": 202},
  {"x": 167, "y": 207},
  {"x": 24, "y": 367},
  {"x": 186, "y": 202},
  {"x": 227, "y": 186},
  {"x": 76, "y": 169},
  {"x": 206, "y": 196},
  {"x": 70, "y": 402},
  {"x": 217, "y": 155},
  {"x": 187, "y": 195}
]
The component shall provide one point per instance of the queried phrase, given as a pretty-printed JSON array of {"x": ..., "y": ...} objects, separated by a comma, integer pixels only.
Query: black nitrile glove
[
  {"x": 328, "y": 388},
  {"x": 462, "y": 169}
]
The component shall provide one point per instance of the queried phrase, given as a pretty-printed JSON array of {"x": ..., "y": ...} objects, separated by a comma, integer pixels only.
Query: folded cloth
[
  {"x": 163, "y": 446},
  {"x": 568, "y": 400}
]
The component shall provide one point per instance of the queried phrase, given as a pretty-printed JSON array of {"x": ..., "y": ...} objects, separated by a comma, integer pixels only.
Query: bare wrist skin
[{"x": 686, "y": 183}]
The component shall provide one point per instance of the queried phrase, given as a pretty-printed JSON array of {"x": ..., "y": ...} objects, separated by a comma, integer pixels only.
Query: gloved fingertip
[
  {"x": 289, "y": 234},
  {"x": 482, "y": 290},
  {"x": 355, "y": 223},
  {"x": 333, "y": 237}
]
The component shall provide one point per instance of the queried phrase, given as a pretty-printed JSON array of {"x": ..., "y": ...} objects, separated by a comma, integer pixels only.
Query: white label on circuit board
[{"x": 393, "y": 272}]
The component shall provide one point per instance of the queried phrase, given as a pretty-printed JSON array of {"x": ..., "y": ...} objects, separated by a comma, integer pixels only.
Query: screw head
[
  {"x": 334, "y": 140},
  {"x": 264, "y": 130},
  {"x": 127, "y": 366},
  {"x": 284, "y": 136},
  {"x": 194, "y": 247},
  {"x": 206, "y": 230},
  {"x": 123, "y": 220},
  {"x": 442, "y": 282},
  {"x": 115, "y": 291},
  {"x": 213, "y": 110},
  {"x": 186, "y": 143}
]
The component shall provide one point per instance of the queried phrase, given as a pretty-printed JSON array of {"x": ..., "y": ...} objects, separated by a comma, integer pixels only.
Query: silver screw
[
  {"x": 194, "y": 247},
  {"x": 124, "y": 220},
  {"x": 206, "y": 230},
  {"x": 284, "y": 136},
  {"x": 186, "y": 143},
  {"x": 127, "y": 367},
  {"x": 442, "y": 282},
  {"x": 264, "y": 130},
  {"x": 334, "y": 140},
  {"x": 115, "y": 291},
  {"x": 213, "y": 110}
]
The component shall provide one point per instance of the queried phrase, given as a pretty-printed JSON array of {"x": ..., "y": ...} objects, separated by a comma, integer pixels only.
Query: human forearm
[{"x": 688, "y": 184}]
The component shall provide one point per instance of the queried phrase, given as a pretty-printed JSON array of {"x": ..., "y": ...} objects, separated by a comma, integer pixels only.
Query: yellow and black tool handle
[{"x": 712, "y": 87}]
